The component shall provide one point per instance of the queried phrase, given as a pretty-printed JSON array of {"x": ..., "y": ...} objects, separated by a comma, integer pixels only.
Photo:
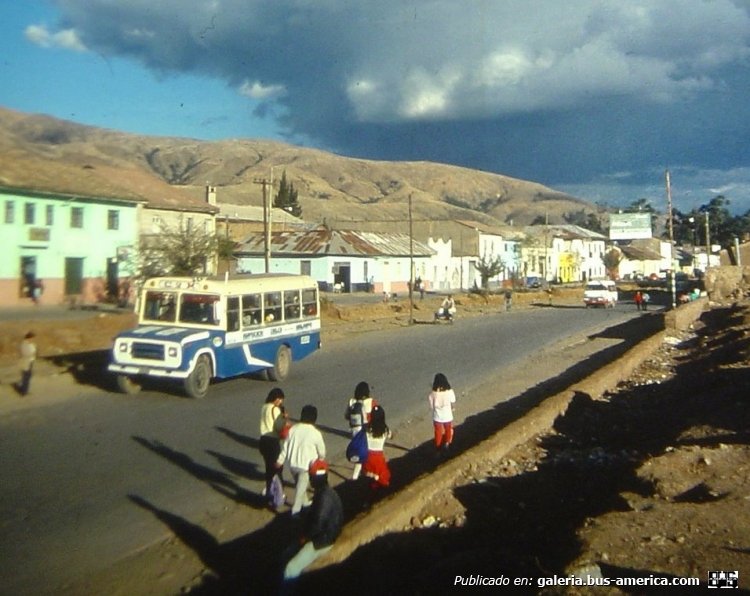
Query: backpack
[
  {"x": 356, "y": 451},
  {"x": 355, "y": 414}
]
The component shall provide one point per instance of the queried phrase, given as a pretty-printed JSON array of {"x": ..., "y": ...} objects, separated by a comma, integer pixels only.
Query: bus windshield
[
  {"x": 199, "y": 309},
  {"x": 194, "y": 309}
]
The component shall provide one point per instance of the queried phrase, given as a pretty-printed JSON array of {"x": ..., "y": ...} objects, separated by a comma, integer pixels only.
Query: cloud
[
  {"x": 66, "y": 39},
  {"x": 558, "y": 92},
  {"x": 257, "y": 90}
]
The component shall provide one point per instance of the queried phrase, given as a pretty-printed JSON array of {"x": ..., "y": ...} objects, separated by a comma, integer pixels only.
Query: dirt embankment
[{"x": 647, "y": 483}]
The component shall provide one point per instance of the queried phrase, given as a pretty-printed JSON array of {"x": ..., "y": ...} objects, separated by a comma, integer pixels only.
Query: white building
[{"x": 340, "y": 259}]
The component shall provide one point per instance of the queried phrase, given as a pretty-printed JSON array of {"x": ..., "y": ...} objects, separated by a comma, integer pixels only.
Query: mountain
[{"x": 38, "y": 151}]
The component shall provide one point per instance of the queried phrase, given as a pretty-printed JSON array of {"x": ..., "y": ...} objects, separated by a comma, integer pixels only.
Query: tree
[
  {"x": 489, "y": 268},
  {"x": 286, "y": 198},
  {"x": 612, "y": 259},
  {"x": 182, "y": 250},
  {"x": 581, "y": 218}
]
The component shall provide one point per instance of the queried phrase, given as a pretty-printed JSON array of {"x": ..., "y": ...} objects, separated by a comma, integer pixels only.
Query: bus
[{"x": 192, "y": 330}]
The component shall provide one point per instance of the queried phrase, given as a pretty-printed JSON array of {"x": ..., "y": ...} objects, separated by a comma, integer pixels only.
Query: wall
[
  {"x": 383, "y": 274},
  {"x": 49, "y": 242}
]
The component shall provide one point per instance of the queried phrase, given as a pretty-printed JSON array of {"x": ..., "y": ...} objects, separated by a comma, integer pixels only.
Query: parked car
[{"x": 600, "y": 293}]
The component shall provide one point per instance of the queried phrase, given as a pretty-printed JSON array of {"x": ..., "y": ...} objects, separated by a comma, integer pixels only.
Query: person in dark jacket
[{"x": 322, "y": 522}]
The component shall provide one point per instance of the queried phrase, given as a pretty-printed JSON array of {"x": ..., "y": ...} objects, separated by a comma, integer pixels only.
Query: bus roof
[{"x": 237, "y": 284}]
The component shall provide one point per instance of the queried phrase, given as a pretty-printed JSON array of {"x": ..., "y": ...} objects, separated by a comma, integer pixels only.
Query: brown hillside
[{"x": 36, "y": 150}]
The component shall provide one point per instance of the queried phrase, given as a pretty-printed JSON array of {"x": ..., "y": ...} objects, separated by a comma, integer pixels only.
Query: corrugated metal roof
[
  {"x": 636, "y": 253},
  {"x": 567, "y": 231},
  {"x": 323, "y": 241}
]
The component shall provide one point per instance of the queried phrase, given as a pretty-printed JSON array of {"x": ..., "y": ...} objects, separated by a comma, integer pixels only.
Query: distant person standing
[
  {"x": 508, "y": 299},
  {"x": 36, "y": 291},
  {"x": 302, "y": 447},
  {"x": 28, "y": 356},
  {"x": 441, "y": 399},
  {"x": 646, "y": 300},
  {"x": 638, "y": 299}
]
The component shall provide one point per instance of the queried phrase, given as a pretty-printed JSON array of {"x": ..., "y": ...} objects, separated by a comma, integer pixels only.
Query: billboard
[{"x": 629, "y": 226}]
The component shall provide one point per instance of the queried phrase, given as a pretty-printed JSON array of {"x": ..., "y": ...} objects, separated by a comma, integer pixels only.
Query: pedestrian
[
  {"x": 376, "y": 466},
  {"x": 646, "y": 300},
  {"x": 358, "y": 414},
  {"x": 638, "y": 299},
  {"x": 273, "y": 421},
  {"x": 447, "y": 309},
  {"x": 27, "y": 350},
  {"x": 322, "y": 524},
  {"x": 508, "y": 299},
  {"x": 442, "y": 399},
  {"x": 37, "y": 291},
  {"x": 302, "y": 447}
]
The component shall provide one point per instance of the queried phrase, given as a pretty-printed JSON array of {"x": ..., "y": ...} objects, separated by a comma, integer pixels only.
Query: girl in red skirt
[{"x": 376, "y": 467}]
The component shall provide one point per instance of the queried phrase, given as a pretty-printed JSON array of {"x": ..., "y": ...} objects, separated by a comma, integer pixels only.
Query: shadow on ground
[
  {"x": 254, "y": 559},
  {"x": 525, "y": 526}
]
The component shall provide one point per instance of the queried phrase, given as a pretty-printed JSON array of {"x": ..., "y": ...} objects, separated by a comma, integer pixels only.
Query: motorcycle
[{"x": 443, "y": 314}]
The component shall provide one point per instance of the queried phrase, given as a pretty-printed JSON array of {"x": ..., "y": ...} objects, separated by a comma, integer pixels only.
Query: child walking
[
  {"x": 441, "y": 399},
  {"x": 376, "y": 466},
  {"x": 358, "y": 414}
]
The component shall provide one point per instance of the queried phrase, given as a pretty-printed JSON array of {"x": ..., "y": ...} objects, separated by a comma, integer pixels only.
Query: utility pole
[
  {"x": 708, "y": 243},
  {"x": 266, "y": 220},
  {"x": 411, "y": 266},
  {"x": 670, "y": 223}
]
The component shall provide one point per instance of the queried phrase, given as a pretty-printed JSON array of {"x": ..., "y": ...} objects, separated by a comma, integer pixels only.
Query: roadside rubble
[{"x": 652, "y": 480}]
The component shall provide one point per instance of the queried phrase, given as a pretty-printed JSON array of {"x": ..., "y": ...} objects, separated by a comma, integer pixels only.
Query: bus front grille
[{"x": 148, "y": 351}]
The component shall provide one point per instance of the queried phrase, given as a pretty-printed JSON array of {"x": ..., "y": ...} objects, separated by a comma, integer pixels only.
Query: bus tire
[
  {"x": 281, "y": 366},
  {"x": 197, "y": 382},
  {"x": 127, "y": 384}
]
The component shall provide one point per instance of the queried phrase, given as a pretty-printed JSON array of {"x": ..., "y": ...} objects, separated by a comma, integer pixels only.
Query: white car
[{"x": 601, "y": 292}]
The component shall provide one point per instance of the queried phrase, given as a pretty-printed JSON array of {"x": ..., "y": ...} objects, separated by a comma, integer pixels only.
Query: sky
[{"x": 597, "y": 98}]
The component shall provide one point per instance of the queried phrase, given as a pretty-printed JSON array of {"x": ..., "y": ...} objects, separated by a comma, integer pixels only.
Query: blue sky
[{"x": 593, "y": 97}]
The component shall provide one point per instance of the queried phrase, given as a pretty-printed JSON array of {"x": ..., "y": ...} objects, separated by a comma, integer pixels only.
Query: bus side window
[
  {"x": 310, "y": 303},
  {"x": 272, "y": 307},
  {"x": 233, "y": 313},
  {"x": 251, "y": 310},
  {"x": 291, "y": 305}
]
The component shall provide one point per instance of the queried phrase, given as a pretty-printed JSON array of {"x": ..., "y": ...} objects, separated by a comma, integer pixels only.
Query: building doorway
[
  {"x": 28, "y": 277},
  {"x": 73, "y": 276},
  {"x": 113, "y": 280}
]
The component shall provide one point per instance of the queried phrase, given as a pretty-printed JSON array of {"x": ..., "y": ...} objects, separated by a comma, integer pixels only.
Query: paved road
[{"x": 70, "y": 470}]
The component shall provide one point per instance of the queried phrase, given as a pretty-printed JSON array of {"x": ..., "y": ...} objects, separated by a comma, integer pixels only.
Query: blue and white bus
[{"x": 196, "y": 329}]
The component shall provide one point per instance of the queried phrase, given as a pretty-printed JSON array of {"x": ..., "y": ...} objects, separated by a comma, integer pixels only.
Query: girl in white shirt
[{"x": 441, "y": 399}]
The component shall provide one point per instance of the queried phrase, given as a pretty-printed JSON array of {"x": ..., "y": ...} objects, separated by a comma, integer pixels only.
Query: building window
[
  {"x": 76, "y": 217},
  {"x": 189, "y": 225},
  {"x": 156, "y": 225},
  {"x": 113, "y": 219},
  {"x": 29, "y": 213},
  {"x": 10, "y": 212},
  {"x": 50, "y": 215}
]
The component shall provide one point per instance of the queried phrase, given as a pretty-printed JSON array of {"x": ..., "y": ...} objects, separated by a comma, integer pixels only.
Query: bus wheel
[
  {"x": 128, "y": 385},
  {"x": 196, "y": 384},
  {"x": 280, "y": 369}
]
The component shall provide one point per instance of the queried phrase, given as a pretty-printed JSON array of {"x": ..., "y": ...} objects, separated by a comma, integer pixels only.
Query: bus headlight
[
  {"x": 172, "y": 352},
  {"x": 123, "y": 346}
]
